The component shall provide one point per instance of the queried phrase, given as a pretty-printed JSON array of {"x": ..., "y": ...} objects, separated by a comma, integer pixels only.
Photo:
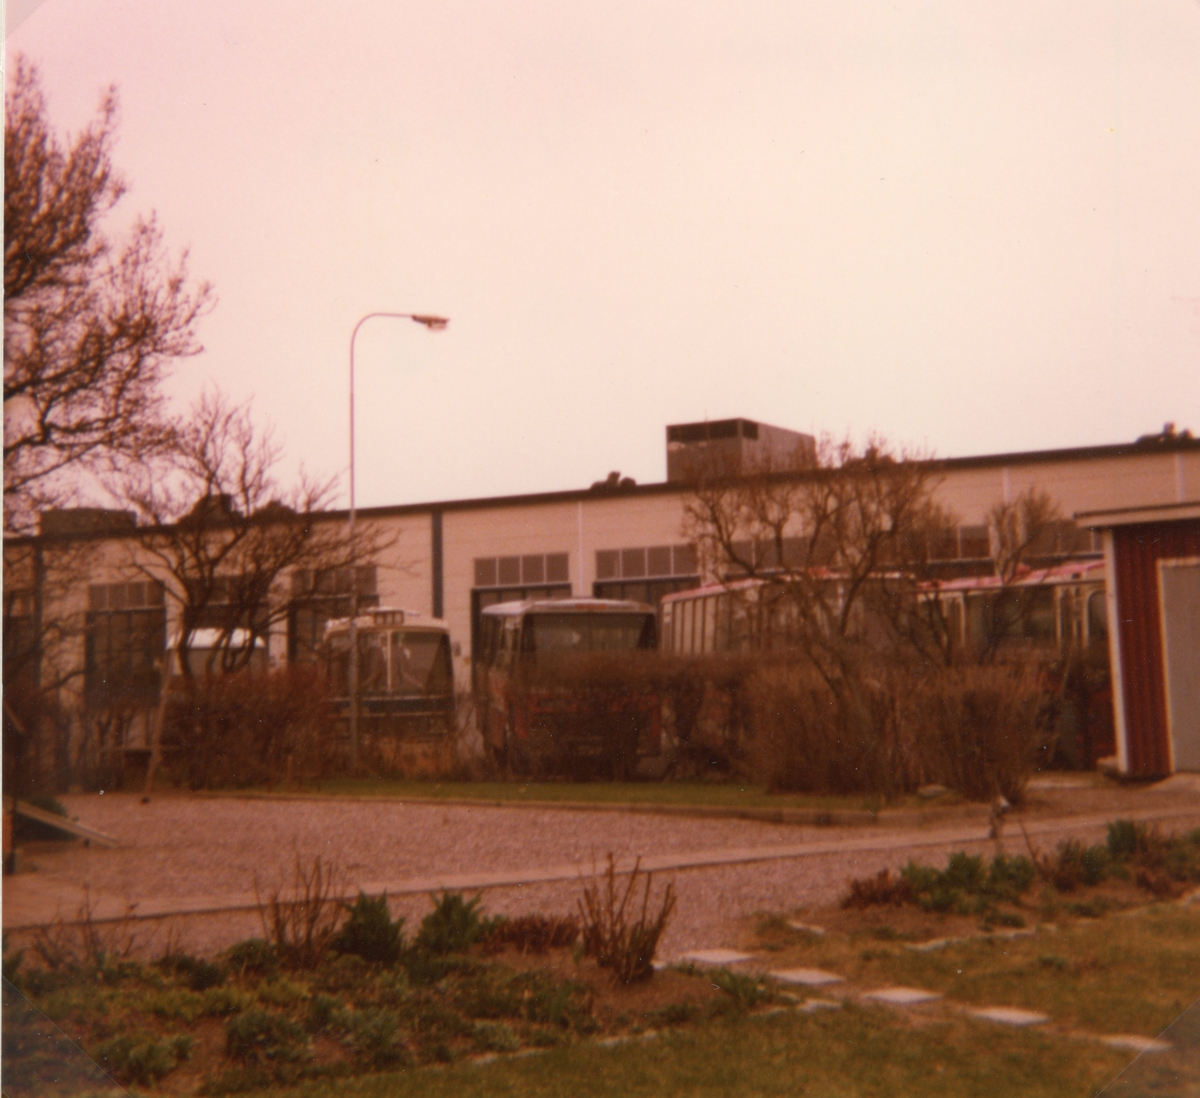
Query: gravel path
[{"x": 183, "y": 847}]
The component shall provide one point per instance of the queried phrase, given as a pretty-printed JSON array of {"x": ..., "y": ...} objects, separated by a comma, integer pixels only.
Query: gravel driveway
[{"x": 183, "y": 850}]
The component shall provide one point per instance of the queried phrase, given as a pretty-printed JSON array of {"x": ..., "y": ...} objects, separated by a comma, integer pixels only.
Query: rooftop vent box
[{"x": 729, "y": 447}]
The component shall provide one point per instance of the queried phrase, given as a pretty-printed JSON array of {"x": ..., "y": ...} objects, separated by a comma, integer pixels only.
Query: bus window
[
  {"x": 372, "y": 663},
  {"x": 1097, "y": 618},
  {"x": 420, "y": 663},
  {"x": 588, "y": 632}
]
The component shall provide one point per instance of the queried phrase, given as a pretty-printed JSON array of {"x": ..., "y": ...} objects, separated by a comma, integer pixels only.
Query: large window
[
  {"x": 645, "y": 574},
  {"x": 125, "y": 640},
  {"x": 321, "y": 597}
]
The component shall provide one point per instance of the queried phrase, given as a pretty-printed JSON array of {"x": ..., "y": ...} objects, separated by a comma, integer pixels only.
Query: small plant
[
  {"x": 370, "y": 933},
  {"x": 375, "y": 1036},
  {"x": 256, "y": 1036},
  {"x": 610, "y": 934},
  {"x": 1127, "y": 839},
  {"x": 453, "y": 926},
  {"x": 746, "y": 991},
  {"x": 1009, "y": 878},
  {"x": 326, "y": 1014},
  {"x": 220, "y": 1002},
  {"x": 303, "y": 926}
]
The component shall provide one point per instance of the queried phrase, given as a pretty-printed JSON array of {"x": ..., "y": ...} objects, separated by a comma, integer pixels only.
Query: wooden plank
[{"x": 62, "y": 823}]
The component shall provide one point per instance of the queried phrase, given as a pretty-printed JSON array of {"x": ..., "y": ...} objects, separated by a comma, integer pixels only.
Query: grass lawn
[
  {"x": 1132, "y": 973},
  {"x": 688, "y": 794},
  {"x": 852, "y": 1053}
]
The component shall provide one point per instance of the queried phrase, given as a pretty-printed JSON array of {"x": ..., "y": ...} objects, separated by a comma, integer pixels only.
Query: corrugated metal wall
[{"x": 1137, "y": 551}]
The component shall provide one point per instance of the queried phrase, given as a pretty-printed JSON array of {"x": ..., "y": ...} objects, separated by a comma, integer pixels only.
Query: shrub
[
  {"x": 199, "y": 975},
  {"x": 453, "y": 926},
  {"x": 532, "y": 933},
  {"x": 250, "y": 728},
  {"x": 978, "y": 730},
  {"x": 495, "y": 1037},
  {"x": 1127, "y": 839},
  {"x": 302, "y": 926},
  {"x": 1010, "y": 877},
  {"x": 612, "y": 936},
  {"x": 842, "y": 735},
  {"x": 141, "y": 1060},
  {"x": 966, "y": 876},
  {"x": 325, "y": 1012},
  {"x": 257, "y": 1035},
  {"x": 375, "y": 1036},
  {"x": 881, "y": 890},
  {"x": 370, "y": 933},
  {"x": 253, "y": 957}
]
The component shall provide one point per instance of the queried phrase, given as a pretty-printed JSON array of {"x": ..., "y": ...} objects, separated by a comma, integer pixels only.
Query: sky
[{"x": 972, "y": 228}]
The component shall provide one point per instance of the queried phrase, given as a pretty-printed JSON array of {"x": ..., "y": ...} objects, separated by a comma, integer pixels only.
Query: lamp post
[{"x": 434, "y": 324}]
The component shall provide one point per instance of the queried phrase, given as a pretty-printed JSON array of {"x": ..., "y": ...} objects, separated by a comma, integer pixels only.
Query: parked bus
[
  {"x": 405, "y": 676},
  {"x": 1062, "y": 606},
  {"x": 545, "y": 707}
]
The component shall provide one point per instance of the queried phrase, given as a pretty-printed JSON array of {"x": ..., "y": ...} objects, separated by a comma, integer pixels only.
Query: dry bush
[
  {"x": 303, "y": 925},
  {"x": 85, "y": 942},
  {"x": 881, "y": 890},
  {"x": 979, "y": 730},
  {"x": 532, "y": 933},
  {"x": 250, "y": 728},
  {"x": 611, "y": 935},
  {"x": 845, "y": 736}
]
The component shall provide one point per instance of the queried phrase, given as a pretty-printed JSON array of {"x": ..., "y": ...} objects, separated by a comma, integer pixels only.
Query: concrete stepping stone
[
  {"x": 901, "y": 996},
  {"x": 1011, "y": 1016},
  {"x": 716, "y": 957},
  {"x": 932, "y": 944},
  {"x": 811, "y": 1006},
  {"x": 804, "y": 928},
  {"x": 807, "y": 977},
  {"x": 1130, "y": 1042}
]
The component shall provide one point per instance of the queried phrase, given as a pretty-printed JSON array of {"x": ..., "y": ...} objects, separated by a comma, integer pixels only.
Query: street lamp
[{"x": 434, "y": 324}]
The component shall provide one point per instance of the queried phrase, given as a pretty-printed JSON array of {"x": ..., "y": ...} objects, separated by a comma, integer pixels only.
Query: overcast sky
[{"x": 971, "y": 227}]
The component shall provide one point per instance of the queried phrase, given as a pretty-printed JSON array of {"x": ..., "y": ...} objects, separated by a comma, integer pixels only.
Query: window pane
[
  {"x": 533, "y": 569},
  {"x": 658, "y": 561},
  {"x": 633, "y": 563},
  {"x": 510, "y": 570},
  {"x": 556, "y": 568},
  {"x": 685, "y": 560},
  {"x": 606, "y": 564},
  {"x": 485, "y": 572}
]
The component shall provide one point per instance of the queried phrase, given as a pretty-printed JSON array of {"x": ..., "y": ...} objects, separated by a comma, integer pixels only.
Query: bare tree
[
  {"x": 1017, "y": 530},
  {"x": 90, "y": 324},
  {"x": 224, "y": 536},
  {"x": 841, "y": 551}
]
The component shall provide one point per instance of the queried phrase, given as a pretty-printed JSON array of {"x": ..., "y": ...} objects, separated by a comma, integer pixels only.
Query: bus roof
[
  {"x": 388, "y": 617},
  {"x": 567, "y": 606}
]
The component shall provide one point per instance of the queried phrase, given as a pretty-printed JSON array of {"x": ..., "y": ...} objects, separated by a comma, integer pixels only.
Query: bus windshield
[
  {"x": 569, "y": 633},
  {"x": 411, "y": 663}
]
